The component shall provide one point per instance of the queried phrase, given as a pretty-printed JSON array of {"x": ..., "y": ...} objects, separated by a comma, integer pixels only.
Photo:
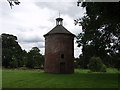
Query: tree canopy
[
  {"x": 101, "y": 31},
  {"x": 36, "y": 60},
  {"x": 11, "y": 51},
  {"x": 13, "y": 56}
]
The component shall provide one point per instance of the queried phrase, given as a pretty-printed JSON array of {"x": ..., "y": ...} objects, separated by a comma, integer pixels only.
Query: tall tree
[
  {"x": 11, "y": 51},
  {"x": 35, "y": 59},
  {"x": 101, "y": 30}
]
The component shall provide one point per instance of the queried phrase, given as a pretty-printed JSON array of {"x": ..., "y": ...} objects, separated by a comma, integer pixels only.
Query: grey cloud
[
  {"x": 69, "y": 8},
  {"x": 41, "y": 46},
  {"x": 31, "y": 40},
  {"x": 29, "y": 36},
  {"x": 23, "y": 29},
  {"x": 5, "y": 10}
]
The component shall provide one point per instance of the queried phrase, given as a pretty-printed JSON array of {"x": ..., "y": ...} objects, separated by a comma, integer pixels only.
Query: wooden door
[{"x": 62, "y": 67}]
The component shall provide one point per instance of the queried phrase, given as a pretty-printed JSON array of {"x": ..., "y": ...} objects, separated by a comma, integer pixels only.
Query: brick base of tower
[{"x": 59, "y": 53}]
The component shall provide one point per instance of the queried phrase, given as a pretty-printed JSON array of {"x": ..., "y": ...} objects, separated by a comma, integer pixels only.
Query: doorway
[{"x": 62, "y": 67}]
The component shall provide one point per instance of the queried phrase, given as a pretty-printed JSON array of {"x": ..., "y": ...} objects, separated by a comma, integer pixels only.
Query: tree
[
  {"x": 76, "y": 62},
  {"x": 100, "y": 36},
  {"x": 35, "y": 59},
  {"x": 16, "y": 2},
  {"x": 24, "y": 59},
  {"x": 96, "y": 65},
  {"x": 115, "y": 59},
  {"x": 14, "y": 62},
  {"x": 13, "y": 56},
  {"x": 11, "y": 51}
]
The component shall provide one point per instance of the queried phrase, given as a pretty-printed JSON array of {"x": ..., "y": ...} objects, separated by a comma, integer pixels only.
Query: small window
[{"x": 62, "y": 56}]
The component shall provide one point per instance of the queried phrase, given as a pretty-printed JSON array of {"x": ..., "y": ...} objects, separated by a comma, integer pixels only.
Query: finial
[
  {"x": 59, "y": 20},
  {"x": 59, "y": 13}
]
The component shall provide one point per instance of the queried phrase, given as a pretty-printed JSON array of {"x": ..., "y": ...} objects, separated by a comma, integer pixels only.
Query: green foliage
[
  {"x": 24, "y": 58},
  {"x": 35, "y": 59},
  {"x": 103, "y": 68},
  {"x": 100, "y": 36},
  {"x": 14, "y": 63},
  {"x": 116, "y": 59},
  {"x": 96, "y": 65},
  {"x": 13, "y": 56},
  {"x": 11, "y": 51}
]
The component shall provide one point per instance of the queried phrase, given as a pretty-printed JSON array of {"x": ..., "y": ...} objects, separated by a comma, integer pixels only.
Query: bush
[
  {"x": 103, "y": 68},
  {"x": 96, "y": 65}
]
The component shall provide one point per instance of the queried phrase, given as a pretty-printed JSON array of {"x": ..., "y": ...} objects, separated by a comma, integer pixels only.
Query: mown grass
[{"x": 38, "y": 79}]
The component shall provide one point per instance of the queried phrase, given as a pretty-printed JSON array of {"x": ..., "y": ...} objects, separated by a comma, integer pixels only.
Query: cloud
[
  {"x": 69, "y": 8},
  {"x": 28, "y": 46},
  {"x": 32, "y": 19},
  {"x": 29, "y": 39}
]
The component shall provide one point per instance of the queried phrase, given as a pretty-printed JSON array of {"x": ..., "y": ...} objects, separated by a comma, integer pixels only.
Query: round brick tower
[{"x": 59, "y": 49}]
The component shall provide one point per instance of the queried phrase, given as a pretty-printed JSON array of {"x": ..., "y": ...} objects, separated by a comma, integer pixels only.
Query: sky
[{"x": 30, "y": 20}]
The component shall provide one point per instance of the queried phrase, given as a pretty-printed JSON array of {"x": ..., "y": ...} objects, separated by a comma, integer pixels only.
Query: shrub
[
  {"x": 96, "y": 65},
  {"x": 103, "y": 68}
]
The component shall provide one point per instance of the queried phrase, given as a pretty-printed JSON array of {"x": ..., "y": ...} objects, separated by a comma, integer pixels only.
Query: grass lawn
[{"x": 38, "y": 79}]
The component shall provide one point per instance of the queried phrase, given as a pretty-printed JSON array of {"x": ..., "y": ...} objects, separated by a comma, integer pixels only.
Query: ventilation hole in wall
[{"x": 62, "y": 56}]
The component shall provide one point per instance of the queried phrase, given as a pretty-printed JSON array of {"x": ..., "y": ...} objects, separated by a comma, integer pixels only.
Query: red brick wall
[{"x": 55, "y": 45}]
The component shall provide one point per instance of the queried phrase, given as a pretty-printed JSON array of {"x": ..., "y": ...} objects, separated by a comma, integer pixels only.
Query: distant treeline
[{"x": 14, "y": 57}]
